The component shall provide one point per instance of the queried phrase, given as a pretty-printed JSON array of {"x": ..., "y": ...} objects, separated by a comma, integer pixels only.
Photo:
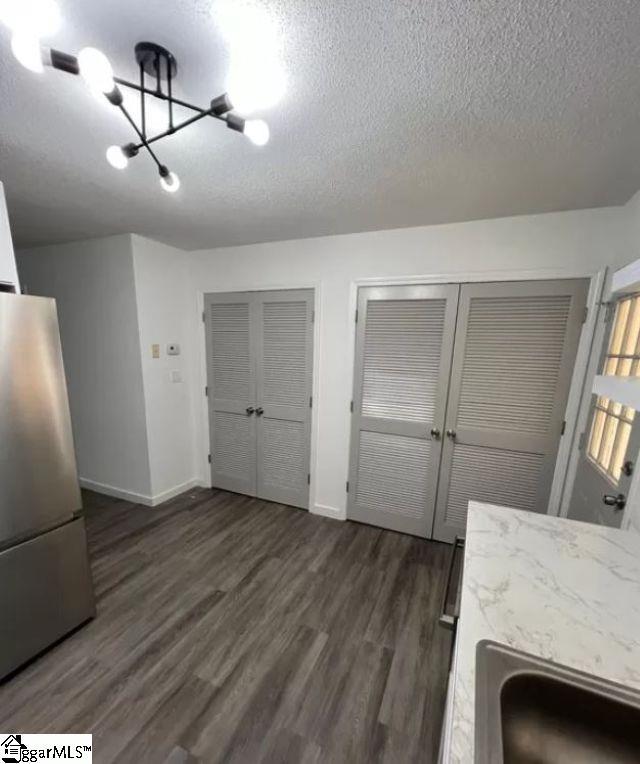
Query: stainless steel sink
[{"x": 532, "y": 711}]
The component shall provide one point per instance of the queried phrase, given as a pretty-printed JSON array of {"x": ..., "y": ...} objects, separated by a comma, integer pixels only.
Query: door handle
[
  {"x": 619, "y": 501},
  {"x": 259, "y": 411},
  {"x": 249, "y": 410},
  {"x": 435, "y": 433},
  {"x": 451, "y": 434}
]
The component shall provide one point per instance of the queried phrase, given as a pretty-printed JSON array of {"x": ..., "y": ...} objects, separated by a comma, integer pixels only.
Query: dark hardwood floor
[{"x": 234, "y": 630}]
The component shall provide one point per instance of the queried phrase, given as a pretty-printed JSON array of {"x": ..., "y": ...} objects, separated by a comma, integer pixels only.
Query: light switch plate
[
  {"x": 173, "y": 349},
  {"x": 176, "y": 376}
]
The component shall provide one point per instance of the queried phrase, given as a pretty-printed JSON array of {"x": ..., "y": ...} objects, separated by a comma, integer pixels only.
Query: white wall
[
  {"x": 8, "y": 270},
  {"x": 169, "y": 419},
  {"x": 93, "y": 283},
  {"x": 573, "y": 242},
  {"x": 631, "y": 213},
  {"x": 162, "y": 292}
]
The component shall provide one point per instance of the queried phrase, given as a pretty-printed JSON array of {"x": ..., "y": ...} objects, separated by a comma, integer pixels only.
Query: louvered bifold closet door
[
  {"x": 231, "y": 390},
  {"x": 515, "y": 349},
  {"x": 284, "y": 332},
  {"x": 403, "y": 355}
]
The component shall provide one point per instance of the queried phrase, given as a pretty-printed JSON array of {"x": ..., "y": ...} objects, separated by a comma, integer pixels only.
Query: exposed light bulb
[
  {"x": 171, "y": 183},
  {"x": 256, "y": 79},
  {"x": 116, "y": 157},
  {"x": 40, "y": 18},
  {"x": 26, "y": 49},
  {"x": 96, "y": 69},
  {"x": 246, "y": 23},
  {"x": 255, "y": 86},
  {"x": 257, "y": 131}
]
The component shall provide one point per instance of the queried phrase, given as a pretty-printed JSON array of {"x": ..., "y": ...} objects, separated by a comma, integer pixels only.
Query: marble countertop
[{"x": 566, "y": 591}]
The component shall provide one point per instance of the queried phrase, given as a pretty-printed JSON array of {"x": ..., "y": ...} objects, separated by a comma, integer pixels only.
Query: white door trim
[
  {"x": 627, "y": 279},
  {"x": 575, "y": 402}
]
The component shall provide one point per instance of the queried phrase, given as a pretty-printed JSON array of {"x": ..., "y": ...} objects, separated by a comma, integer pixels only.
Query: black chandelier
[{"x": 158, "y": 65}]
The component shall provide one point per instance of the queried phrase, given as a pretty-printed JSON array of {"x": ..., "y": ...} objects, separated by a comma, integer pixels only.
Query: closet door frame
[
  {"x": 577, "y": 403},
  {"x": 205, "y": 434}
]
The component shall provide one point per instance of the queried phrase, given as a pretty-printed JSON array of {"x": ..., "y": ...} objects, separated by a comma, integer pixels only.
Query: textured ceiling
[{"x": 396, "y": 113}]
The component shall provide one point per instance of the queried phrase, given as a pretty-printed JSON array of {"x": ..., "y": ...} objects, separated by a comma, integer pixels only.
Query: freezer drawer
[{"x": 46, "y": 591}]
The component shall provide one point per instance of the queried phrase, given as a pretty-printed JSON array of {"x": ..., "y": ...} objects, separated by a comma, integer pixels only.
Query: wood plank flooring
[{"x": 235, "y": 630}]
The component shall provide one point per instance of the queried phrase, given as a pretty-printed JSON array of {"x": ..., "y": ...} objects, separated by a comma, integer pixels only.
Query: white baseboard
[
  {"x": 118, "y": 493},
  {"x": 326, "y": 511},
  {"x": 138, "y": 498},
  {"x": 160, "y": 498}
]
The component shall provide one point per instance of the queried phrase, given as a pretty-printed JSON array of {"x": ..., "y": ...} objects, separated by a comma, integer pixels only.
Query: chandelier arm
[
  {"x": 162, "y": 96},
  {"x": 170, "y": 96},
  {"x": 157, "y": 67},
  {"x": 143, "y": 140},
  {"x": 68, "y": 63},
  {"x": 142, "y": 102},
  {"x": 175, "y": 129}
]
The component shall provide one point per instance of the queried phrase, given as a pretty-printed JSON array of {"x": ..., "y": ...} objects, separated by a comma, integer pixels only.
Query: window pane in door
[
  {"x": 623, "y": 355},
  {"x": 608, "y": 437},
  {"x": 611, "y": 423},
  {"x": 624, "y": 367},
  {"x": 633, "y": 328},
  {"x": 622, "y": 313},
  {"x": 620, "y": 449},
  {"x": 596, "y": 432}
]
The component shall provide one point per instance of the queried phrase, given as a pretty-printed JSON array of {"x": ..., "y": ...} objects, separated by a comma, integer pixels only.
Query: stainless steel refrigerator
[{"x": 45, "y": 578}]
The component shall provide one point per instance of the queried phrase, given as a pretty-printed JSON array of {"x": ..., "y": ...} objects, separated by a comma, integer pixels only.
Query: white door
[
  {"x": 514, "y": 354},
  {"x": 611, "y": 442},
  {"x": 231, "y": 381},
  {"x": 284, "y": 362},
  {"x": 259, "y": 372},
  {"x": 404, "y": 341}
]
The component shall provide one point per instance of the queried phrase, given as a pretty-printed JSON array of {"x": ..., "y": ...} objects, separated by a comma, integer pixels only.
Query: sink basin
[{"x": 532, "y": 711}]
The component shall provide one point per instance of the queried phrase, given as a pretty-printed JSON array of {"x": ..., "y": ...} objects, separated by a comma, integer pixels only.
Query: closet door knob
[
  {"x": 451, "y": 434},
  {"x": 249, "y": 410},
  {"x": 435, "y": 433},
  {"x": 619, "y": 501},
  {"x": 259, "y": 411}
]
